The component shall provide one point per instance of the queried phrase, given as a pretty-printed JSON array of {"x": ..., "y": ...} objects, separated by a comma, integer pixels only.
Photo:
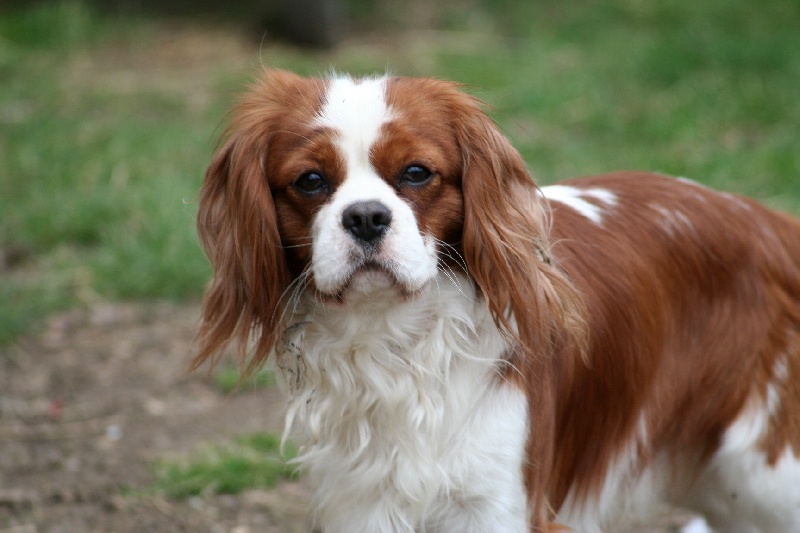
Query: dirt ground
[{"x": 88, "y": 404}]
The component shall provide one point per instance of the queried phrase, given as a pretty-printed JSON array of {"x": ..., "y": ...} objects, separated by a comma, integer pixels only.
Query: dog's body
[{"x": 466, "y": 353}]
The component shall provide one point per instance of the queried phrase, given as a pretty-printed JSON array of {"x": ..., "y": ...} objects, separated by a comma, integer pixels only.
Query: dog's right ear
[
  {"x": 238, "y": 228},
  {"x": 238, "y": 225}
]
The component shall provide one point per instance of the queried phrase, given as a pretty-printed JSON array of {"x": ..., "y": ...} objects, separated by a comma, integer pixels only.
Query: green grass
[
  {"x": 98, "y": 181},
  {"x": 253, "y": 461},
  {"x": 102, "y": 151},
  {"x": 229, "y": 380},
  {"x": 701, "y": 89}
]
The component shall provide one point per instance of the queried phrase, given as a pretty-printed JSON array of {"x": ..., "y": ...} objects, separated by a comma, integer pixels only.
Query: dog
[{"x": 464, "y": 351}]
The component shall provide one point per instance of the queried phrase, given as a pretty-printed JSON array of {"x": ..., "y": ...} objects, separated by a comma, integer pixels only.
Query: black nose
[{"x": 367, "y": 221}]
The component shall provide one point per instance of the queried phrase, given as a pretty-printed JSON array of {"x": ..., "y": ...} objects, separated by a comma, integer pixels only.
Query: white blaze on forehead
[
  {"x": 356, "y": 110},
  {"x": 576, "y": 198}
]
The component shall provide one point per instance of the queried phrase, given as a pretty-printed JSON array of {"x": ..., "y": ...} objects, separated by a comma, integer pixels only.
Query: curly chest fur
[{"x": 403, "y": 419}]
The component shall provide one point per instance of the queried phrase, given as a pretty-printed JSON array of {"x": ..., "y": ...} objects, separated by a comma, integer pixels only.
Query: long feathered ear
[
  {"x": 506, "y": 243},
  {"x": 506, "y": 246},
  {"x": 237, "y": 221},
  {"x": 237, "y": 226}
]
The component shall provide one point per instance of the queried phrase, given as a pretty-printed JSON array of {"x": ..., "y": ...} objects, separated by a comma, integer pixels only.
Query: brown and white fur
[{"x": 466, "y": 352}]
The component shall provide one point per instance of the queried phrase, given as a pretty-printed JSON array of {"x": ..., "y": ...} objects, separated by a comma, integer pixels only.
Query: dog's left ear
[
  {"x": 506, "y": 242},
  {"x": 506, "y": 245}
]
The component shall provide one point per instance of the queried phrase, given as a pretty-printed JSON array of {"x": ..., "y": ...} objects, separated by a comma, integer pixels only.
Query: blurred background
[{"x": 110, "y": 111}]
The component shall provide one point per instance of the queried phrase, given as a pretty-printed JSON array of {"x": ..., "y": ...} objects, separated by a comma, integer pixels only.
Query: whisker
[
  {"x": 451, "y": 252},
  {"x": 448, "y": 272},
  {"x": 300, "y": 289},
  {"x": 302, "y": 245},
  {"x": 294, "y": 292}
]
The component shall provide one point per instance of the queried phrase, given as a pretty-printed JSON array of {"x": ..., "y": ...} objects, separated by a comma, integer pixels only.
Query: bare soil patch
[{"x": 88, "y": 404}]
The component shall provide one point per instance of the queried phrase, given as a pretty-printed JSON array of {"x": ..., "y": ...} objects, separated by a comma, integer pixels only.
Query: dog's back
[{"x": 689, "y": 390}]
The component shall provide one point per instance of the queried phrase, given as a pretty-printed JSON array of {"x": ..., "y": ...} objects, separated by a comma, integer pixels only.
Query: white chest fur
[{"x": 403, "y": 420}]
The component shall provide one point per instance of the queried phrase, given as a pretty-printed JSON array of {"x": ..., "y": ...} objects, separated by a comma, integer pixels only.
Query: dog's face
[
  {"x": 363, "y": 191},
  {"x": 368, "y": 193}
]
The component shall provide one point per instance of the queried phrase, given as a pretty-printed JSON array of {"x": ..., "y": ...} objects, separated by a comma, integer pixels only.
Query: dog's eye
[
  {"x": 311, "y": 183},
  {"x": 416, "y": 175}
]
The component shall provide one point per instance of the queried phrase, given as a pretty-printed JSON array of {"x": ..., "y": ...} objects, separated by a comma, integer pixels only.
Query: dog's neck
[
  {"x": 368, "y": 353},
  {"x": 371, "y": 381}
]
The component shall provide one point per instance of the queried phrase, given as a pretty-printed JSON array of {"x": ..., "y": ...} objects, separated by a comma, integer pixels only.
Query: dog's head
[{"x": 363, "y": 191}]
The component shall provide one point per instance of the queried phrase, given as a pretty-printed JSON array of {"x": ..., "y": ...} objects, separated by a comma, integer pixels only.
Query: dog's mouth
[{"x": 370, "y": 280}]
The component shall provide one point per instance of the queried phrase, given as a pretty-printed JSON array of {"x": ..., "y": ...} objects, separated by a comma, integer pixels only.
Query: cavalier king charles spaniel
[{"x": 464, "y": 351}]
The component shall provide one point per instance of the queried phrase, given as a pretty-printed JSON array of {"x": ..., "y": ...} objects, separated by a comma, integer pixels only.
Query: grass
[
  {"x": 229, "y": 379},
  {"x": 698, "y": 89},
  {"x": 252, "y": 461},
  {"x": 98, "y": 181},
  {"x": 103, "y": 143}
]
